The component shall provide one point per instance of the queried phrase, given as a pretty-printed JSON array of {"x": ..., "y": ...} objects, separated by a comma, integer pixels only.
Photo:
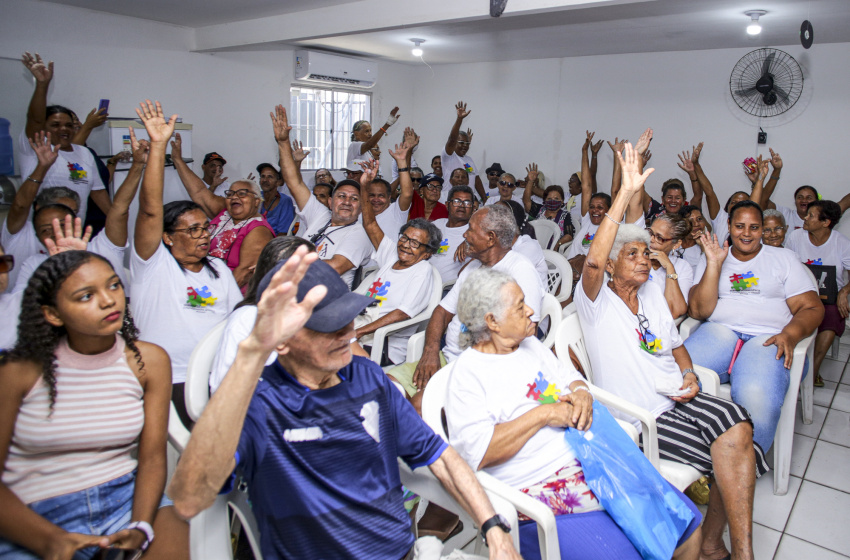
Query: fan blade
[
  {"x": 782, "y": 93},
  {"x": 748, "y": 92},
  {"x": 765, "y": 67}
]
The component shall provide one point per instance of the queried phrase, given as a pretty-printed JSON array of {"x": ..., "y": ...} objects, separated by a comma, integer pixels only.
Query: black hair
[
  {"x": 171, "y": 213},
  {"x": 814, "y": 190},
  {"x": 674, "y": 184},
  {"x": 520, "y": 217},
  {"x": 461, "y": 188},
  {"x": 743, "y": 205},
  {"x": 52, "y": 194},
  {"x": 386, "y": 185},
  {"x": 729, "y": 200},
  {"x": 554, "y": 188},
  {"x": 276, "y": 250},
  {"x": 38, "y": 339},
  {"x": 604, "y": 196},
  {"x": 437, "y": 157},
  {"x": 46, "y": 207},
  {"x": 333, "y": 181},
  {"x": 829, "y": 210},
  {"x": 686, "y": 210},
  {"x": 434, "y": 234},
  {"x": 268, "y": 166},
  {"x": 58, "y": 109}
]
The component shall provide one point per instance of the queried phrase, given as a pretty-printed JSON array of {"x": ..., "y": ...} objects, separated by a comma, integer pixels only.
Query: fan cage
[{"x": 787, "y": 75}]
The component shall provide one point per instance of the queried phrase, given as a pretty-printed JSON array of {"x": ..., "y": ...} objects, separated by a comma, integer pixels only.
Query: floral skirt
[{"x": 564, "y": 492}]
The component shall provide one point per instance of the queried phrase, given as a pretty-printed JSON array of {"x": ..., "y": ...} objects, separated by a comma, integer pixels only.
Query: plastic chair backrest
[
  {"x": 546, "y": 231},
  {"x": 551, "y": 309},
  {"x": 197, "y": 386},
  {"x": 367, "y": 281},
  {"x": 560, "y": 275},
  {"x": 569, "y": 336}
]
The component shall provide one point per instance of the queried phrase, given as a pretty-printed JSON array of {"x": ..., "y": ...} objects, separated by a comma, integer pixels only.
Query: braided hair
[{"x": 38, "y": 339}]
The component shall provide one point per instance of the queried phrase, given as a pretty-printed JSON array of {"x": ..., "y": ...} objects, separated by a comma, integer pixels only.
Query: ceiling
[{"x": 462, "y": 31}]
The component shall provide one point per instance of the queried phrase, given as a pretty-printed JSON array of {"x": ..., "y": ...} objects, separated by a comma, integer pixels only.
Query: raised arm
[
  {"x": 194, "y": 185},
  {"x": 149, "y": 224},
  {"x": 119, "y": 213},
  {"x": 373, "y": 141},
  {"x": 370, "y": 224},
  {"x": 593, "y": 273},
  {"x": 289, "y": 170},
  {"x": 686, "y": 164},
  {"x": 703, "y": 296},
  {"x": 532, "y": 175},
  {"x": 642, "y": 149},
  {"x": 37, "y": 110},
  {"x": 705, "y": 185},
  {"x": 767, "y": 194},
  {"x": 586, "y": 182},
  {"x": 22, "y": 203},
  {"x": 594, "y": 152},
  {"x": 209, "y": 459},
  {"x": 635, "y": 207},
  {"x": 616, "y": 174},
  {"x": 761, "y": 170},
  {"x": 454, "y": 133},
  {"x": 402, "y": 155},
  {"x": 94, "y": 119}
]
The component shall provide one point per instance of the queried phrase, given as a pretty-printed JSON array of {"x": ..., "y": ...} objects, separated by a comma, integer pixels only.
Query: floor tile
[
  {"x": 792, "y": 548},
  {"x": 815, "y": 519},
  {"x": 836, "y": 428},
  {"x": 765, "y": 541},
  {"x": 801, "y": 453},
  {"x": 832, "y": 369},
  {"x": 841, "y": 401},
  {"x": 828, "y": 466},
  {"x": 770, "y": 510},
  {"x": 813, "y": 429},
  {"x": 823, "y": 395}
]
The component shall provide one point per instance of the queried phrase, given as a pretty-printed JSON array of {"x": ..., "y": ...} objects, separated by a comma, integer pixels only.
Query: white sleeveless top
[{"x": 92, "y": 434}]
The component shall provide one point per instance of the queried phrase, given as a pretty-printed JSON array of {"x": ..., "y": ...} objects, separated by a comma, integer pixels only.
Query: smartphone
[
  {"x": 103, "y": 106},
  {"x": 119, "y": 554}
]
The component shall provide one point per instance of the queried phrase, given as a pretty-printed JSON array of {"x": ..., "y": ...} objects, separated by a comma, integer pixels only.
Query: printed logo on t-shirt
[
  {"x": 542, "y": 391},
  {"x": 379, "y": 291},
  {"x": 588, "y": 237},
  {"x": 468, "y": 168},
  {"x": 200, "y": 297},
  {"x": 322, "y": 250},
  {"x": 648, "y": 341},
  {"x": 744, "y": 282},
  {"x": 444, "y": 247},
  {"x": 371, "y": 419},
  {"x": 77, "y": 174},
  {"x": 818, "y": 262}
]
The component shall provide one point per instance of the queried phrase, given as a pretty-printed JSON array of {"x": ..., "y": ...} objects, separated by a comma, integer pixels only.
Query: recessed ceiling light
[
  {"x": 754, "y": 28},
  {"x": 417, "y": 51}
]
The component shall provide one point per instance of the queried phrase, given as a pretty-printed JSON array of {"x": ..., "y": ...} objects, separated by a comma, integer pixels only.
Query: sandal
[{"x": 818, "y": 382}]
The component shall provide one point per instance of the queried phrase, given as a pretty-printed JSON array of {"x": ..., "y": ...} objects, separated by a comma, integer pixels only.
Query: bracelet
[
  {"x": 774, "y": 178},
  {"x": 612, "y": 219},
  {"x": 145, "y": 528},
  {"x": 687, "y": 371},
  {"x": 695, "y": 180},
  {"x": 582, "y": 388},
  {"x": 384, "y": 129},
  {"x": 36, "y": 181},
  {"x": 403, "y": 169}
]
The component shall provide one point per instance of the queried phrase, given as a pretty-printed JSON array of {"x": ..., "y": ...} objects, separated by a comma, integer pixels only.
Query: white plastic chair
[
  {"x": 560, "y": 275},
  {"x": 294, "y": 223},
  {"x": 570, "y": 337},
  {"x": 380, "y": 336},
  {"x": 547, "y": 232},
  {"x": 197, "y": 388},
  {"x": 783, "y": 441},
  {"x": 563, "y": 249}
]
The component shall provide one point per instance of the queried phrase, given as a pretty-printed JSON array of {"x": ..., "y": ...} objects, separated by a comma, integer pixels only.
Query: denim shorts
[{"x": 101, "y": 510}]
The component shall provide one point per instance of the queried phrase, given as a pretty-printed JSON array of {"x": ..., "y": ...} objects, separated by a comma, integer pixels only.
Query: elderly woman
[
  {"x": 507, "y": 186},
  {"x": 774, "y": 228},
  {"x": 179, "y": 293},
  {"x": 239, "y": 231},
  {"x": 323, "y": 177},
  {"x": 674, "y": 275},
  {"x": 636, "y": 353},
  {"x": 363, "y": 140},
  {"x": 753, "y": 297},
  {"x": 510, "y": 402},
  {"x": 553, "y": 209},
  {"x": 690, "y": 249}
]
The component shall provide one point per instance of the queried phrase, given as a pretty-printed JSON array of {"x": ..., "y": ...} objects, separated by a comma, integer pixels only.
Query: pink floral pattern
[{"x": 564, "y": 492}]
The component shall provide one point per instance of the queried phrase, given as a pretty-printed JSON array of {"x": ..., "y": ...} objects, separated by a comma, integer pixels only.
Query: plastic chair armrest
[{"x": 648, "y": 428}]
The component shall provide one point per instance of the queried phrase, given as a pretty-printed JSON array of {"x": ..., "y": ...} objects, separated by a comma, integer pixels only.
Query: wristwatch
[
  {"x": 674, "y": 276},
  {"x": 496, "y": 521},
  {"x": 145, "y": 528}
]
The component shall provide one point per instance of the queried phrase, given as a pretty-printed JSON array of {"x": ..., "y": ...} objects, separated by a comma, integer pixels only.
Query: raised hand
[
  {"x": 410, "y": 137},
  {"x": 95, "y": 118},
  {"x": 588, "y": 140},
  {"x": 42, "y": 73},
  {"x": 462, "y": 112},
  {"x": 644, "y": 140},
  {"x": 72, "y": 239},
  {"x": 44, "y": 150},
  {"x": 400, "y": 152},
  {"x": 280, "y": 124},
  {"x": 763, "y": 168},
  {"x": 279, "y": 315},
  {"x": 469, "y": 135},
  {"x": 371, "y": 169},
  {"x": 646, "y": 156},
  {"x": 392, "y": 118},
  {"x": 159, "y": 130},
  {"x": 298, "y": 151},
  {"x": 140, "y": 148},
  {"x": 633, "y": 180},
  {"x": 532, "y": 173},
  {"x": 217, "y": 179},
  {"x": 250, "y": 177},
  {"x": 775, "y": 160},
  {"x": 176, "y": 146},
  {"x": 697, "y": 150},
  {"x": 594, "y": 148},
  {"x": 686, "y": 164},
  {"x": 618, "y": 145},
  {"x": 714, "y": 252}
]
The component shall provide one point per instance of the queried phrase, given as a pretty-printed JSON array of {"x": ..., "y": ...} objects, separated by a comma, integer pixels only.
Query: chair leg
[
  {"x": 807, "y": 388},
  {"x": 782, "y": 447}
]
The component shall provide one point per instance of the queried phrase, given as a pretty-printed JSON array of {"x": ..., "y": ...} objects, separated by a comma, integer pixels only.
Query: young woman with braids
[{"x": 83, "y": 422}]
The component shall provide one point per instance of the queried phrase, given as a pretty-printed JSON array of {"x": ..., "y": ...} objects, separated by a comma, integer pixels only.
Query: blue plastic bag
[{"x": 630, "y": 489}]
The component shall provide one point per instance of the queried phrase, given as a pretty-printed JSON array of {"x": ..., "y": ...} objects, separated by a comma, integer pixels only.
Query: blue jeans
[
  {"x": 759, "y": 380},
  {"x": 100, "y": 510}
]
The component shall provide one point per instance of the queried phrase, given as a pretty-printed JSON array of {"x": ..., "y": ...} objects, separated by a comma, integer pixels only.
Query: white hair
[
  {"x": 771, "y": 213},
  {"x": 499, "y": 219},
  {"x": 628, "y": 233},
  {"x": 482, "y": 293},
  {"x": 255, "y": 188}
]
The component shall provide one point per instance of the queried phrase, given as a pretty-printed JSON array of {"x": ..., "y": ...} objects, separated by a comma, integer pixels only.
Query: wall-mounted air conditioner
[{"x": 333, "y": 69}]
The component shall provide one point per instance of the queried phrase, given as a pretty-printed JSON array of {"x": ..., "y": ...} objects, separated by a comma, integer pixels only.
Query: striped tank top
[{"x": 92, "y": 435}]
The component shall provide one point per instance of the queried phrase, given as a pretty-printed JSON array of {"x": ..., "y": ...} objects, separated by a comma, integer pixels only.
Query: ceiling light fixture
[
  {"x": 417, "y": 50},
  {"x": 754, "y": 28}
]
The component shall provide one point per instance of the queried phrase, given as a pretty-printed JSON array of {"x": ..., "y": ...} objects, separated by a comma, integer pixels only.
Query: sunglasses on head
[{"x": 7, "y": 263}]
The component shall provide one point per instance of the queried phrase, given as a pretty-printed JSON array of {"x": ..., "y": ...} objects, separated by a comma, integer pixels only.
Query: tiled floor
[{"x": 811, "y": 521}]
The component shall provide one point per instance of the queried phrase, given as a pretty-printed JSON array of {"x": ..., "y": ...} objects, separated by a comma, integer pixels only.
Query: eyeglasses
[
  {"x": 323, "y": 174},
  {"x": 643, "y": 324},
  {"x": 197, "y": 232},
  {"x": 493, "y": 174},
  {"x": 241, "y": 193},
  {"x": 460, "y": 202},
  {"x": 657, "y": 237},
  {"x": 7, "y": 263},
  {"x": 411, "y": 242},
  {"x": 350, "y": 174},
  {"x": 507, "y": 184},
  {"x": 463, "y": 143},
  {"x": 777, "y": 229},
  {"x": 434, "y": 187}
]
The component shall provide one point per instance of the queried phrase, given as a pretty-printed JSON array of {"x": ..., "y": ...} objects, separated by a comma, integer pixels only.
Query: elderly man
[
  {"x": 317, "y": 433},
  {"x": 447, "y": 261},
  {"x": 455, "y": 156},
  {"x": 339, "y": 238},
  {"x": 278, "y": 209}
]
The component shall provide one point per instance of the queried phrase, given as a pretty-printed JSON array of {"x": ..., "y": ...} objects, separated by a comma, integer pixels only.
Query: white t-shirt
[
  {"x": 586, "y": 233},
  {"x": 355, "y": 156},
  {"x": 175, "y": 307},
  {"x": 721, "y": 226},
  {"x": 444, "y": 259},
  {"x": 683, "y": 269},
  {"x": 452, "y": 162},
  {"x": 394, "y": 168},
  {"x": 626, "y": 360},
  {"x": 10, "y": 307},
  {"x": 350, "y": 241},
  {"x": 531, "y": 250},
  {"x": 497, "y": 198},
  {"x": 752, "y": 294},
  {"x": 835, "y": 252},
  {"x": 219, "y": 190},
  {"x": 391, "y": 219},
  {"x": 238, "y": 327},
  {"x": 21, "y": 245},
  {"x": 492, "y": 389},
  {"x": 692, "y": 256},
  {"x": 514, "y": 264},
  {"x": 100, "y": 245},
  {"x": 76, "y": 170},
  {"x": 792, "y": 219},
  {"x": 407, "y": 290},
  {"x": 573, "y": 204}
]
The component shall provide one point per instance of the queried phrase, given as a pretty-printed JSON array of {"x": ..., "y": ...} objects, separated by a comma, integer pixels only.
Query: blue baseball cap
[
  {"x": 430, "y": 178},
  {"x": 339, "y": 306}
]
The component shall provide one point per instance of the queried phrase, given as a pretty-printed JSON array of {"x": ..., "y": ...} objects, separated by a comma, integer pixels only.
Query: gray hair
[
  {"x": 771, "y": 213},
  {"x": 506, "y": 174},
  {"x": 481, "y": 294},
  {"x": 627, "y": 233},
  {"x": 52, "y": 194},
  {"x": 500, "y": 220},
  {"x": 255, "y": 188},
  {"x": 435, "y": 236},
  {"x": 679, "y": 225}
]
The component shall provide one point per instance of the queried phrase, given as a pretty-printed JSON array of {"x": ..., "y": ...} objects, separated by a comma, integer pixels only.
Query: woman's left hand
[
  {"x": 692, "y": 385},
  {"x": 784, "y": 347},
  {"x": 582, "y": 402},
  {"x": 843, "y": 305}
]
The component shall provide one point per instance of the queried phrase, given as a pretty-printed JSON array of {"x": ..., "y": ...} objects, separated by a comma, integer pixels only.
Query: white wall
[
  {"x": 538, "y": 110},
  {"x": 226, "y": 96}
]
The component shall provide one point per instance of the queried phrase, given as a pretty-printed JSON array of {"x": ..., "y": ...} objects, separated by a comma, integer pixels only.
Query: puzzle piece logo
[
  {"x": 200, "y": 297},
  {"x": 649, "y": 342},
  {"x": 77, "y": 173},
  {"x": 542, "y": 391},
  {"x": 468, "y": 168},
  {"x": 322, "y": 250},
  {"x": 379, "y": 291},
  {"x": 741, "y": 282},
  {"x": 587, "y": 238},
  {"x": 444, "y": 247},
  {"x": 818, "y": 262}
]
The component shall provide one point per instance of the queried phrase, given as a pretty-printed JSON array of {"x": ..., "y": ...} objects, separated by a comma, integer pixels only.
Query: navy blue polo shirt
[{"x": 321, "y": 465}]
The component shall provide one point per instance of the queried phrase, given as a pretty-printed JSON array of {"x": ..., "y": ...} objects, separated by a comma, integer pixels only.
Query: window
[{"x": 322, "y": 119}]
